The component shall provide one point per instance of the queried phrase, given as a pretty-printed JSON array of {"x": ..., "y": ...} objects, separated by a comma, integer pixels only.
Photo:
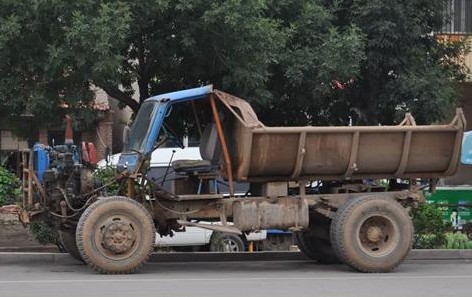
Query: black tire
[
  {"x": 301, "y": 244},
  {"x": 316, "y": 248},
  {"x": 68, "y": 242},
  {"x": 372, "y": 234},
  {"x": 115, "y": 235},
  {"x": 315, "y": 242},
  {"x": 226, "y": 242}
]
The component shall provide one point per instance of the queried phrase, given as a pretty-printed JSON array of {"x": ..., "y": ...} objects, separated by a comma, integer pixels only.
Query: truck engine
[{"x": 63, "y": 178}]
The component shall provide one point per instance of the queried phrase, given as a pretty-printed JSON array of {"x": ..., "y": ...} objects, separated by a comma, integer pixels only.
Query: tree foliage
[
  {"x": 407, "y": 68},
  {"x": 46, "y": 63},
  {"x": 298, "y": 62}
]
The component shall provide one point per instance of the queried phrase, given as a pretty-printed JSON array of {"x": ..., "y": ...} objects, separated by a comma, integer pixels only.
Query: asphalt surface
[
  {"x": 64, "y": 258},
  {"x": 245, "y": 278}
]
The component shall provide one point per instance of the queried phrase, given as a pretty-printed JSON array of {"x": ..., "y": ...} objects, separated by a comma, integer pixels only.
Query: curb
[
  {"x": 440, "y": 255},
  {"x": 65, "y": 259}
]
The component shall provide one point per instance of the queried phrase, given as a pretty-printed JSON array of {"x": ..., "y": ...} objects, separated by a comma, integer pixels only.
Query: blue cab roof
[{"x": 184, "y": 95}]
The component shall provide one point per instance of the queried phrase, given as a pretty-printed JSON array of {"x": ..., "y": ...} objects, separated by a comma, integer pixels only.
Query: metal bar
[
  {"x": 39, "y": 186},
  {"x": 197, "y": 120},
  {"x": 224, "y": 146},
  {"x": 130, "y": 187},
  {"x": 459, "y": 121},
  {"x": 205, "y": 210},
  {"x": 455, "y": 155},
  {"x": 231, "y": 109},
  {"x": 435, "y": 174},
  {"x": 405, "y": 154},
  {"x": 300, "y": 155},
  {"x": 353, "y": 155},
  {"x": 24, "y": 180},
  {"x": 363, "y": 129},
  {"x": 409, "y": 120},
  {"x": 30, "y": 179}
]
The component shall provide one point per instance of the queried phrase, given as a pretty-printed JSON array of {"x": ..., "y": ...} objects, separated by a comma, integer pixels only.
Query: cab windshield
[{"x": 141, "y": 128}]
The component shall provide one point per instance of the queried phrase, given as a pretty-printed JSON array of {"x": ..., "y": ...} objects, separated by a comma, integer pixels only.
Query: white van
[{"x": 193, "y": 238}]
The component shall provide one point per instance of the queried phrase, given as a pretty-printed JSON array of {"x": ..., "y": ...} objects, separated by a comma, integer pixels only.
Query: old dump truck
[{"x": 318, "y": 182}]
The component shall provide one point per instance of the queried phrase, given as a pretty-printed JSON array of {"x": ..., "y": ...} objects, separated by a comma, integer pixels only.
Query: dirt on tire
[{"x": 372, "y": 234}]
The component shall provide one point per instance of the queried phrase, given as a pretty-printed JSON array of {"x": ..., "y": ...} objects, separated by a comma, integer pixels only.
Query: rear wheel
[
  {"x": 372, "y": 234},
  {"x": 315, "y": 241},
  {"x": 115, "y": 235}
]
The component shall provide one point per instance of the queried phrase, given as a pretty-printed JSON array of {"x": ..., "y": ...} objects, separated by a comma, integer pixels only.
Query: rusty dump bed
[{"x": 260, "y": 154}]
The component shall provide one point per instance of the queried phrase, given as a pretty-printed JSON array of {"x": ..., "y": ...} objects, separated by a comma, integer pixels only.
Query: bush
[
  {"x": 9, "y": 187},
  {"x": 44, "y": 233},
  {"x": 430, "y": 229},
  {"x": 457, "y": 241}
]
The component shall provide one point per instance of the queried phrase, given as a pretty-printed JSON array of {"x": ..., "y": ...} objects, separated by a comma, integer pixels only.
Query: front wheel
[
  {"x": 115, "y": 235},
  {"x": 67, "y": 240},
  {"x": 372, "y": 234}
]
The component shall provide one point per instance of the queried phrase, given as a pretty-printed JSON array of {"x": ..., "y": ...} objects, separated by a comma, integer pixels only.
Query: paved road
[{"x": 241, "y": 279}]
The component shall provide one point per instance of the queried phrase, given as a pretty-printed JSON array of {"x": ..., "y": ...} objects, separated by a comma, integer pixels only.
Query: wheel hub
[
  {"x": 230, "y": 246},
  {"x": 374, "y": 234},
  {"x": 118, "y": 236}
]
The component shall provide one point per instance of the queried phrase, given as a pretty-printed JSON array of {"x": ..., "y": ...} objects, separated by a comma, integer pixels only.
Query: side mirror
[
  {"x": 466, "y": 154},
  {"x": 126, "y": 138}
]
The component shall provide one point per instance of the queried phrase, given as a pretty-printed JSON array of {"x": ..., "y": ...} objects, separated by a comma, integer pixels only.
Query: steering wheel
[{"x": 172, "y": 136}]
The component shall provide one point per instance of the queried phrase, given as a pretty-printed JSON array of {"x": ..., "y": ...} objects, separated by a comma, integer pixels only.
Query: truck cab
[{"x": 149, "y": 125}]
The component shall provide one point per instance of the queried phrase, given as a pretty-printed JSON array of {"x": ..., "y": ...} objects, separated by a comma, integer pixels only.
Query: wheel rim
[
  {"x": 230, "y": 245},
  {"x": 116, "y": 237},
  {"x": 377, "y": 236}
]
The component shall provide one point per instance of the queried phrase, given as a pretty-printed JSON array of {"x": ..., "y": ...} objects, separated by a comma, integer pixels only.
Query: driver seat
[{"x": 209, "y": 150}]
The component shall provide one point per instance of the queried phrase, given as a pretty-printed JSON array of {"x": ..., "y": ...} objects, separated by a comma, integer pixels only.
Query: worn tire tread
[
  {"x": 316, "y": 249},
  {"x": 68, "y": 241},
  {"x": 315, "y": 246},
  {"x": 336, "y": 234},
  {"x": 98, "y": 204}
]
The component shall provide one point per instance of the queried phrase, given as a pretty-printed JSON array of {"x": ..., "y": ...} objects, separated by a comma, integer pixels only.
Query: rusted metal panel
[
  {"x": 300, "y": 156},
  {"x": 282, "y": 213},
  {"x": 265, "y": 154},
  {"x": 271, "y": 189}
]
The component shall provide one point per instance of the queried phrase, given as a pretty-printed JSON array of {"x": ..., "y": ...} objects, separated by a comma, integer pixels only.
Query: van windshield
[{"x": 141, "y": 128}]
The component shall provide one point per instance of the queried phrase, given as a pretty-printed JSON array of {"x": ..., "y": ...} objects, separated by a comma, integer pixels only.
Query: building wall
[
  {"x": 101, "y": 135},
  {"x": 9, "y": 142},
  {"x": 104, "y": 136}
]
